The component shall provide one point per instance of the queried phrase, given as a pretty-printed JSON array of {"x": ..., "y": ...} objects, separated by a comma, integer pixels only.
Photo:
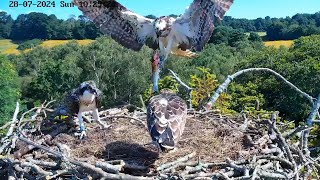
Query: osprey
[
  {"x": 182, "y": 35},
  {"x": 87, "y": 97},
  {"x": 166, "y": 119}
]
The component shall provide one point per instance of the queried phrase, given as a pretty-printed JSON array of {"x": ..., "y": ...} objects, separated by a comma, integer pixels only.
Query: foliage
[
  {"x": 204, "y": 84},
  {"x": 29, "y": 44},
  {"x": 50, "y": 73},
  {"x": 41, "y": 26},
  {"x": 299, "y": 64},
  {"x": 291, "y": 28},
  {"x": 6, "y": 23},
  {"x": 167, "y": 82},
  {"x": 255, "y": 37},
  {"x": 244, "y": 96},
  {"x": 123, "y": 74},
  {"x": 9, "y": 91}
]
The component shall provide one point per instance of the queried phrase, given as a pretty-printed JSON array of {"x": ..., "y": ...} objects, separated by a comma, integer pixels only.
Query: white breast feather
[
  {"x": 87, "y": 96},
  {"x": 162, "y": 25}
]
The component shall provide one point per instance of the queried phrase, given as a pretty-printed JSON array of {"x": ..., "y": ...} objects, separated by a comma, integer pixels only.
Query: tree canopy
[
  {"x": 9, "y": 90},
  {"x": 42, "y": 26}
]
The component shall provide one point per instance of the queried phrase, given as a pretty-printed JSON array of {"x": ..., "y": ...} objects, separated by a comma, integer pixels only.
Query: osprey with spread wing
[{"x": 181, "y": 35}]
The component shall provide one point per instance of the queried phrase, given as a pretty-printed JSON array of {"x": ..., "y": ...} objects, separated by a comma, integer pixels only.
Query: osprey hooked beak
[{"x": 155, "y": 71}]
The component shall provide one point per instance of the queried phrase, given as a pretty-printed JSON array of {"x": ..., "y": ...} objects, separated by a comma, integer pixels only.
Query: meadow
[
  {"x": 9, "y": 47},
  {"x": 278, "y": 44}
]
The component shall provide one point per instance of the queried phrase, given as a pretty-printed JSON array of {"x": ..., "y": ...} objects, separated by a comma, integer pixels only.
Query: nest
[{"x": 212, "y": 147}]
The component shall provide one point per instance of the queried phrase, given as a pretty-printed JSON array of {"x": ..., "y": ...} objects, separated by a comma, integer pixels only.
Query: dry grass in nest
[{"x": 125, "y": 140}]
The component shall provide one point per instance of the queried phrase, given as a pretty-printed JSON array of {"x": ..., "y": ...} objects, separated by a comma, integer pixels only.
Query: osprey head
[
  {"x": 162, "y": 26},
  {"x": 89, "y": 87}
]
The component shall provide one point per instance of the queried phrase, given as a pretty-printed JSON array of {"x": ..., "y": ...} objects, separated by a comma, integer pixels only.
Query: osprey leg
[
  {"x": 82, "y": 127},
  {"x": 95, "y": 114}
]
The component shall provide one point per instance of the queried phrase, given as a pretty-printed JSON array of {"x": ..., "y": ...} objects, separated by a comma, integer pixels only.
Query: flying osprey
[
  {"x": 166, "y": 119},
  {"x": 189, "y": 32},
  {"x": 87, "y": 97}
]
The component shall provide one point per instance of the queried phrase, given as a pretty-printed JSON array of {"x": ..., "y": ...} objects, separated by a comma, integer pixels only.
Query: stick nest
[{"x": 212, "y": 146}]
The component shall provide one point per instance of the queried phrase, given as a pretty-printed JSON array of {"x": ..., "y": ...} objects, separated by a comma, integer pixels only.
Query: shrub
[{"x": 29, "y": 44}]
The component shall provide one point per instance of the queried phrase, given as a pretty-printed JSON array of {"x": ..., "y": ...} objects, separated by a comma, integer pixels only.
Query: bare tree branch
[
  {"x": 230, "y": 78},
  {"x": 189, "y": 89}
]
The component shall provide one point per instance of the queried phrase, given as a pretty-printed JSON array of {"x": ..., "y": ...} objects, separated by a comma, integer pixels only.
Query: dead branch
[
  {"x": 172, "y": 165},
  {"x": 273, "y": 155},
  {"x": 13, "y": 124},
  {"x": 125, "y": 117},
  {"x": 189, "y": 89},
  {"x": 230, "y": 78},
  {"x": 294, "y": 131},
  {"x": 311, "y": 118},
  {"x": 286, "y": 148},
  {"x": 103, "y": 174},
  {"x": 142, "y": 103},
  {"x": 276, "y": 158},
  {"x": 273, "y": 175},
  {"x": 115, "y": 169}
]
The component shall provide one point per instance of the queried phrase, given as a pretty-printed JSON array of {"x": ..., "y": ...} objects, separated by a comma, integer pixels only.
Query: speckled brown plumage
[
  {"x": 194, "y": 28},
  {"x": 127, "y": 28},
  {"x": 166, "y": 119},
  {"x": 200, "y": 18}
]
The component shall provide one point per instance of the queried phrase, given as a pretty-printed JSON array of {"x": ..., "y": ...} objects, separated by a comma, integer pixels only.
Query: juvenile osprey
[
  {"x": 166, "y": 119},
  {"x": 189, "y": 32},
  {"x": 87, "y": 97}
]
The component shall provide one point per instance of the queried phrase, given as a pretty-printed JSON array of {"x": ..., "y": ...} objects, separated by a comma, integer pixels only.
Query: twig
[
  {"x": 273, "y": 175},
  {"x": 142, "y": 103},
  {"x": 242, "y": 169},
  {"x": 103, "y": 174},
  {"x": 293, "y": 132},
  {"x": 42, "y": 163},
  {"x": 276, "y": 158},
  {"x": 245, "y": 122},
  {"x": 93, "y": 65},
  {"x": 58, "y": 173},
  {"x": 115, "y": 169},
  {"x": 35, "y": 168},
  {"x": 180, "y": 160},
  {"x": 286, "y": 148},
  {"x": 189, "y": 89},
  {"x": 124, "y": 117}
]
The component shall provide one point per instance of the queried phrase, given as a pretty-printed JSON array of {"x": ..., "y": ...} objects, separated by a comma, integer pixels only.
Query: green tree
[
  {"x": 6, "y": 23},
  {"x": 9, "y": 91}
]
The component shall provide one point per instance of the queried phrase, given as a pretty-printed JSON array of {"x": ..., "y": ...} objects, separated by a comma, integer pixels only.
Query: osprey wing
[
  {"x": 73, "y": 101},
  {"x": 129, "y": 29},
  {"x": 197, "y": 23}
]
